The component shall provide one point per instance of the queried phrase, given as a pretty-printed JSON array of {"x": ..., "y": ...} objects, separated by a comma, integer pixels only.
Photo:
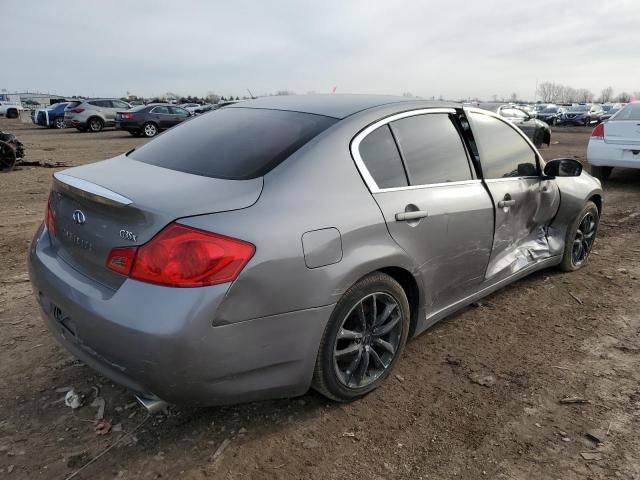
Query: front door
[
  {"x": 434, "y": 206},
  {"x": 524, "y": 202}
]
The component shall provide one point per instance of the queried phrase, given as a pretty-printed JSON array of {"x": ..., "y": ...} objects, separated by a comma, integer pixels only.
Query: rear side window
[
  {"x": 233, "y": 143},
  {"x": 629, "y": 112},
  {"x": 381, "y": 157},
  {"x": 160, "y": 109},
  {"x": 432, "y": 149},
  {"x": 503, "y": 151}
]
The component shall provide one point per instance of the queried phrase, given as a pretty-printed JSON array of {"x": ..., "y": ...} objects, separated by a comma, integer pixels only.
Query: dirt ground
[{"x": 545, "y": 338}]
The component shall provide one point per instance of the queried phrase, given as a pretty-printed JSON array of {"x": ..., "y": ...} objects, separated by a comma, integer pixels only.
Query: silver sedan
[{"x": 293, "y": 242}]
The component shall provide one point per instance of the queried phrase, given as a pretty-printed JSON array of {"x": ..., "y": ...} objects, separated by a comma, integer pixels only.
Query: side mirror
[{"x": 563, "y": 167}]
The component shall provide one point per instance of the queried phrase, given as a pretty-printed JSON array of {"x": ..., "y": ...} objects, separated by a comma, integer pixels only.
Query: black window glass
[
  {"x": 233, "y": 143},
  {"x": 503, "y": 151},
  {"x": 380, "y": 154},
  {"x": 119, "y": 104},
  {"x": 160, "y": 109},
  {"x": 432, "y": 149}
]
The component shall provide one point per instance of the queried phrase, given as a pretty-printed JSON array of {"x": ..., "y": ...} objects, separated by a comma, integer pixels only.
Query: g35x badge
[{"x": 127, "y": 235}]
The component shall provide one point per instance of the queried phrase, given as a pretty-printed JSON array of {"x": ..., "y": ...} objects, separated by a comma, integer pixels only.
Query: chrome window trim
[
  {"x": 100, "y": 194},
  {"x": 364, "y": 171},
  {"x": 508, "y": 179},
  {"x": 429, "y": 185}
]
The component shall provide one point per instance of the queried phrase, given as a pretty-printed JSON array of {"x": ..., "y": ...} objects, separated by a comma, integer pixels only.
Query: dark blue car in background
[{"x": 52, "y": 116}]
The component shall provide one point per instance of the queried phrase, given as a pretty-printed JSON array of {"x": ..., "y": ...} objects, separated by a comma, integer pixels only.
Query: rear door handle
[
  {"x": 408, "y": 216},
  {"x": 506, "y": 203}
]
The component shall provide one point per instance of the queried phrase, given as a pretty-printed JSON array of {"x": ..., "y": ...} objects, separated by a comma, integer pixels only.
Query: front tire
[
  {"x": 59, "y": 122},
  {"x": 363, "y": 339},
  {"x": 149, "y": 129},
  {"x": 601, "y": 173},
  {"x": 12, "y": 113},
  {"x": 580, "y": 238}
]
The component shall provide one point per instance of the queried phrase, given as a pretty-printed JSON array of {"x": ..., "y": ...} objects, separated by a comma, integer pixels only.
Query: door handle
[
  {"x": 408, "y": 216},
  {"x": 506, "y": 203}
]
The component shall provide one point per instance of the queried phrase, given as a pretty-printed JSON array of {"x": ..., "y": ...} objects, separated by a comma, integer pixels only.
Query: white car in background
[
  {"x": 190, "y": 107},
  {"x": 615, "y": 143},
  {"x": 10, "y": 106}
]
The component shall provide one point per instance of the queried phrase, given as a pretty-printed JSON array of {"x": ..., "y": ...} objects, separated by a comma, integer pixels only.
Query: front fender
[{"x": 574, "y": 193}]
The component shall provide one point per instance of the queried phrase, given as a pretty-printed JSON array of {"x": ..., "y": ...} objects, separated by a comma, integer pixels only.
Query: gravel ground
[{"x": 545, "y": 338}]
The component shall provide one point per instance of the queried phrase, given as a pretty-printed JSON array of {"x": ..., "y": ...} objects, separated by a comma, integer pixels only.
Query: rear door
[
  {"x": 417, "y": 168},
  {"x": 162, "y": 116},
  {"x": 524, "y": 203},
  {"x": 115, "y": 106}
]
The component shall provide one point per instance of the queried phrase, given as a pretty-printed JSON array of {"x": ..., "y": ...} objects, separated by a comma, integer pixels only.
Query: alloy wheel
[
  {"x": 150, "y": 130},
  {"x": 95, "y": 125},
  {"x": 583, "y": 242},
  {"x": 368, "y": 340},
  {"x": 59, "y": 123}
]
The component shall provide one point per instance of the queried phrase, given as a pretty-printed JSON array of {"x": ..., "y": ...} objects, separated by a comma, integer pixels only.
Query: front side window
[
  {"x": 381, "y": 157},
  {"x": 503, "y": 151},
  {"x": 178, "y": 111},
  {"x": 432, "y": 149}
]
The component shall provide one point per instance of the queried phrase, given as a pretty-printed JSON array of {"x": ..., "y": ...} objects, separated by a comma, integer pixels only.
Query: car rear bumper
[
  {"x": 603, "y": 154},
  {"x": 159, "y": 341},
  {"x": 73, "y": 122}
]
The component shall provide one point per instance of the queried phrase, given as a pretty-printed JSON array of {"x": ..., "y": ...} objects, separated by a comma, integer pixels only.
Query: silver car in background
[
  {"x": 298, "y": 241},
  {"x": 94, "y": 114}
]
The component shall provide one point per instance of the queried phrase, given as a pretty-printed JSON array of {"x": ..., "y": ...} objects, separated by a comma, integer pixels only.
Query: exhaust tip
[{"x": 152, "y": 405}]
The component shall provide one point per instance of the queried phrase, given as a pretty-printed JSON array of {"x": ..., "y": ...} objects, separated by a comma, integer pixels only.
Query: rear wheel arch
[{"x": 410, "y": 286}]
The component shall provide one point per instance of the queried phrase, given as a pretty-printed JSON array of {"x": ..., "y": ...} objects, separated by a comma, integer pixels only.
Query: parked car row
[{"x": 537, "y": 130}]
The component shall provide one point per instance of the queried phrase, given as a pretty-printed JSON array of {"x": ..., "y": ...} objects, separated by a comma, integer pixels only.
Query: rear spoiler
[{"x": 89, "y": 190}]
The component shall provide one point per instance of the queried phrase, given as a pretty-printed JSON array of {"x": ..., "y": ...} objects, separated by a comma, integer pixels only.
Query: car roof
[{"x": 331, "y": 105}]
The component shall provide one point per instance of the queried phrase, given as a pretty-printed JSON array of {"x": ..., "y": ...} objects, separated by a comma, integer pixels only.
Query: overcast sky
[{"x": 453, "y": 48}]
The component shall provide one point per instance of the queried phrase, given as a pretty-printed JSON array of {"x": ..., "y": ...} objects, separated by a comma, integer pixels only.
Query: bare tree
[
  {"x": 213, "y": 97},
  {"x": 623, "y": 97},
  {"x": 606, "y": 95},
  {"x": 546, "y": 90},
  {"x": 514, "y": 97}
]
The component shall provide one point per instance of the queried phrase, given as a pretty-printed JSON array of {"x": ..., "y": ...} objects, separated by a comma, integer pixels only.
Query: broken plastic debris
[
  {"x": 72, "y": 399},
  {"x": 102, "y": 428}
]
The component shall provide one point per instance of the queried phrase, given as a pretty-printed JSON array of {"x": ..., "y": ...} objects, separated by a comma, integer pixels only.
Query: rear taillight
[
  {"x": 126, "y": 116},
  {"x": 50, "y": 218},
  {"x": 77, "y": 110},
  {"x": 598, "y": 132},
  {"x": 182, "y": 256}
]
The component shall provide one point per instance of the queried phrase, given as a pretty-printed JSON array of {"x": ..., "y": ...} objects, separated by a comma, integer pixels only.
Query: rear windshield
[
  {"x": 578, "y": 108},
  {"x": 233, "y": 143},
  {"x": 629, "y": 112}
]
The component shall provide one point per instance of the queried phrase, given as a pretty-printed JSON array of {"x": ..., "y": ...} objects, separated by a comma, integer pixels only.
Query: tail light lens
[
  {"x": 77, "y": 110},
  {"x": 50, "y": 218},
  {"x": 598, "y": 132},
  {"x": 126, "y": 116},
  {"x": 182, "y": 256}
]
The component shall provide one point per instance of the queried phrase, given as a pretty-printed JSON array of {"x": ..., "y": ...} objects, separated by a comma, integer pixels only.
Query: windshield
[
  {"x": 233, "y": 143},
  {"x": 578, "y": 108},
  {"x": 550, "y": 110}
]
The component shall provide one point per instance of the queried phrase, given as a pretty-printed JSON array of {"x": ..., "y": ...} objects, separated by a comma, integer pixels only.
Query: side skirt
[{"x": 434, "y": 317}]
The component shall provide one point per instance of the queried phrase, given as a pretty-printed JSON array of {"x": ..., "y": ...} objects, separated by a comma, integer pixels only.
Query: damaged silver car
[{"x": 298, "y": 241}]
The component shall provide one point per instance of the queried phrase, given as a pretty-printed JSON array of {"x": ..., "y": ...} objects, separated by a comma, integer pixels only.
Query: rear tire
[
  {"x": 95, "y": 124},
  {"x": 59, "y": 122},
  {"x": 580, "y": 238},
  {"x": 601, "y": 173},
  {"x": 363, "y": 339},
  {"x": 538, "y": 139},
  {"x": 12, "y": 113},
  {"x": 149, "y": 129}
]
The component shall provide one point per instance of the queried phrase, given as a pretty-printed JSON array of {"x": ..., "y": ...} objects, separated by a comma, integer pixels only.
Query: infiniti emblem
[{"x": 79, "y": 217}]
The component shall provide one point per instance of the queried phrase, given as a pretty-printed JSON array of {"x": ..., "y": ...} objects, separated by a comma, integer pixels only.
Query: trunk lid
[
  {"x": 625, "y": 132},
  {"x": 123, "y": 202}
]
